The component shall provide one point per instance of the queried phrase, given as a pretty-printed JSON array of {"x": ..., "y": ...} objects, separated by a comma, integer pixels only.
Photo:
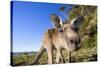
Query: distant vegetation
[{"x": 88, "y": 33}]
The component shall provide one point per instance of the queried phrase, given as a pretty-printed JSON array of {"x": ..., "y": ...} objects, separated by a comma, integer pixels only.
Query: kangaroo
[{"x": 68, "y": 39}]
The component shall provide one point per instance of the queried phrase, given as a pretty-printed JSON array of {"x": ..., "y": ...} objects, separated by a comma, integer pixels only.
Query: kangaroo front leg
[
  {"x": 59, "y": 57},
  {"x": 50, "y": 56},
  {"x": 69, "y": 57}
]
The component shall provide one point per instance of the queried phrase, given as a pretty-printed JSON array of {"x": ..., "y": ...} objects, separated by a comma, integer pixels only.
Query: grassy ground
[{"x": 83, "y": 55}]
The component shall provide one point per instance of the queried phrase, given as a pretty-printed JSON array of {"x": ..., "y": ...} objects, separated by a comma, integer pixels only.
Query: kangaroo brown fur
[{"x": 53, "y": 39}]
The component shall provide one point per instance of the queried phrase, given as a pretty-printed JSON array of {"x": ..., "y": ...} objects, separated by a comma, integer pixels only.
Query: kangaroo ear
[
  {"x": 77, "y": 21},
  {"x": 56, "y": 20},
  {"x": 61, "y": 23}
]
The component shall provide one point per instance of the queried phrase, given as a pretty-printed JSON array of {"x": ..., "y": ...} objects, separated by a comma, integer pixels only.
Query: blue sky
[{"x": 30, "y": 21}]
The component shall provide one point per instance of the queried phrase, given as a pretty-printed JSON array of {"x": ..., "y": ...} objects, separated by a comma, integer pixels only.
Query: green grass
[{"x": 82, "y": 55}]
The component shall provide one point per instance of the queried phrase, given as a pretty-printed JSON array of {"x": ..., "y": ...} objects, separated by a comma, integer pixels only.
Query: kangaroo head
[{"x": 70, "y": 34}]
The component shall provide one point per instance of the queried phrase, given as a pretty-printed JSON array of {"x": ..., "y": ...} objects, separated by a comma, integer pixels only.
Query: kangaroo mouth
[{"x": 72, "y": 47}]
